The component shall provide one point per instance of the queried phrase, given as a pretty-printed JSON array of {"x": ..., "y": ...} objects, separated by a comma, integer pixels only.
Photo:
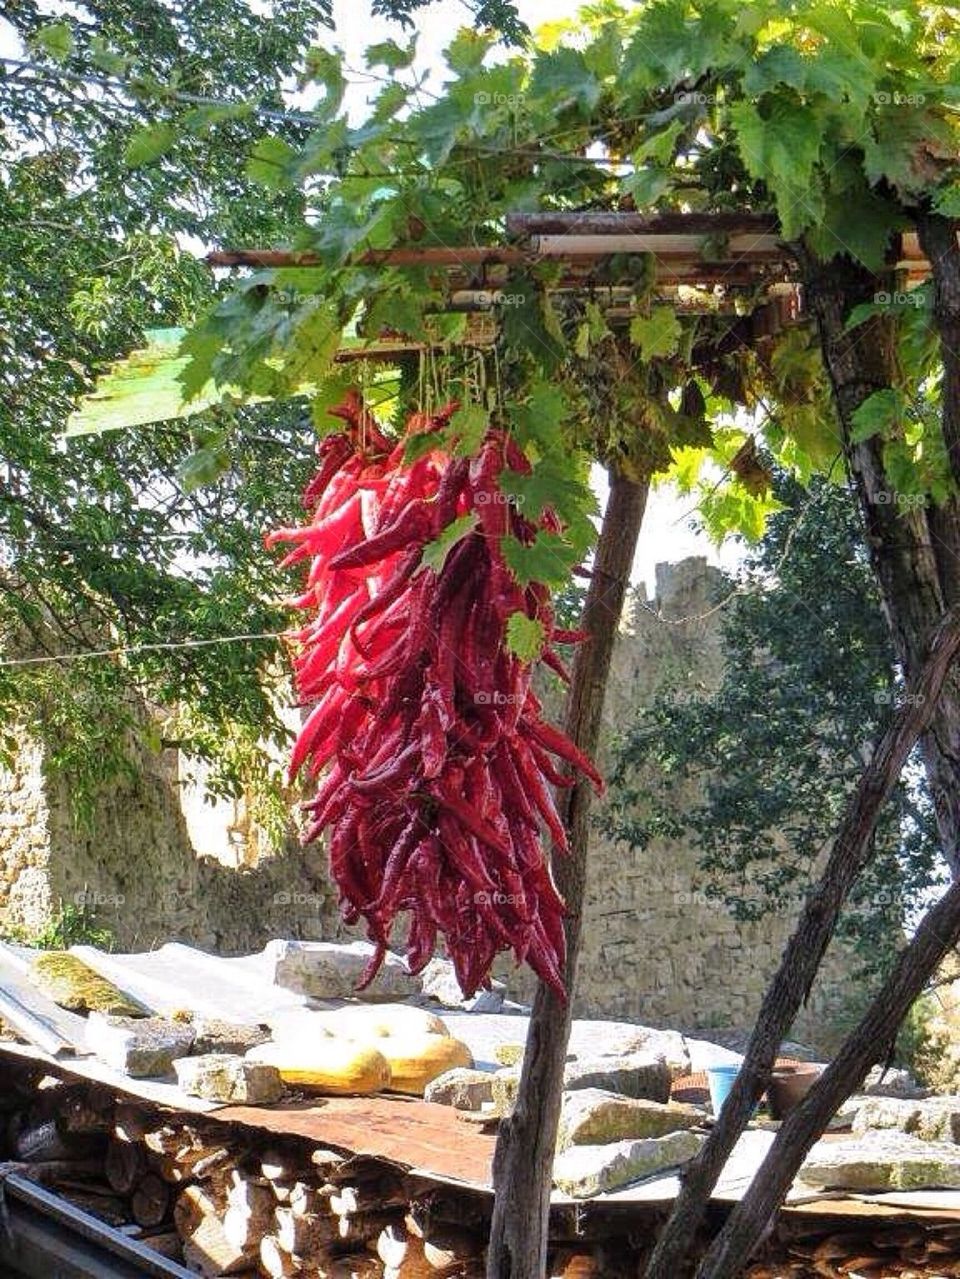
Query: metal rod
[{"x": 52, "y": 1207}]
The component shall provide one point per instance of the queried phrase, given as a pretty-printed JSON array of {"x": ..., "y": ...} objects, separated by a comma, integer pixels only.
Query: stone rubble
[
  {"x": 332, "y": 970},
  {"x": 931, "y": 1119},
  {"x": 635, "y": 1074},
  {"x": 212, "y": 1035},
  {"x": 582, "y": 1171},
  {"x": 593, "y": 1116},
  {"x": 139, "y": 1046},
  {"x": 462, "y": 1088},
  {"x": 228, "y": 1078},
  {"x": 882, "y": 1160}
]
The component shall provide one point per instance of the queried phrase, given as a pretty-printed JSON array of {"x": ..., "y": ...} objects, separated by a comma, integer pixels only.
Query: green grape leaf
[
  {"x": 203, "y": 466},
  {"x": 148, "y": 144},
  {"x": 563, "y": 77},
  {"x": 780, "y": 64},
  {"x": 525, "y": 636},
  {"x": 391, "y": 55},
  {"x": 467, "y": 427},
  {"x": 435, "y": 553},
  {"x": 268, "y": 162},
  {"x": 657, "y": 335},
  {"x": 781, "y": 148},
  {"x": 877, "y": 415},
  {"x": 548, "y": 558},
  {"x": 329, "y": 393},
  {"x": 55, "y": 39},
  {"x": 417, "y": 446},
  {"x": 310, "y": 344},
  {"x": 647, "y": 185},
  {"x": 529, "y": 324},
  {"x": 947, "y": 201},
  {"x": 468, "y": 49}
]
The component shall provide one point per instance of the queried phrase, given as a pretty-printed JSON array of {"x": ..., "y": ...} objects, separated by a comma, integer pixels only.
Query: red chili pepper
[{"x": 438, "y": 762}]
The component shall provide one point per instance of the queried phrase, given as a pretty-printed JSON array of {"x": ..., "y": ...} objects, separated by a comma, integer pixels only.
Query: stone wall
[
  {"x": 141, "y": 869},
  {"x": 656, "y": 948}
]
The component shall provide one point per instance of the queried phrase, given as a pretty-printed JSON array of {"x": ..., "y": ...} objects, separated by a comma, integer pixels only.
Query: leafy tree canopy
[{"x": 779, "y": 746}]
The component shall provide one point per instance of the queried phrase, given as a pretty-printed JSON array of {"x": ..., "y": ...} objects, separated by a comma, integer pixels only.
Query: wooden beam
[
  {"x": 430, "y": 255},
  {"x": 748, "y": 246},
  {"x": 587, "y": 223}
]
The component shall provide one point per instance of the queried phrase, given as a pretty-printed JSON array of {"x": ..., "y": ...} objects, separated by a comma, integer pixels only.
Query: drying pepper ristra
[{"x": 433, "y": 760}]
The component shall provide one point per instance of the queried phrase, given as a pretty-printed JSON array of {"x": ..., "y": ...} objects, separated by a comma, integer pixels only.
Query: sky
[{"x": 668, "y": 533}]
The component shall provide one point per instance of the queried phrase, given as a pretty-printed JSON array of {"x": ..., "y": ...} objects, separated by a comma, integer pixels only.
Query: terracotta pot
[{"x": 788, "y": 1087}]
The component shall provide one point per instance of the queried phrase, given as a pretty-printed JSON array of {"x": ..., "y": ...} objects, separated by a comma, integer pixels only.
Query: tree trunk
[
  {"x": 938, "y": 932},
  {"x": 523, "y": 1164},
  {"x": 801, "y": 958},
  {"x": 914, "y": 550}
]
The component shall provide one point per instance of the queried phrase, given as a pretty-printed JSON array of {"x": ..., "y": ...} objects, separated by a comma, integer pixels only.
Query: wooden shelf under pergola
[{"x": 716, "y": 263}]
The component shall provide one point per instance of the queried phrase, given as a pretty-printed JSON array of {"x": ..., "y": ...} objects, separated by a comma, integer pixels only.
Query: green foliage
[
  {"x": 107, "y": 542},
  {"x": 70, "y": 925},
  {"x": 778, "y": 747}
]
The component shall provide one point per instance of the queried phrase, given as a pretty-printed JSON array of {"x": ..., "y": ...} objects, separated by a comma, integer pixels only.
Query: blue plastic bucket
[{"x": 720, "y": 1081}]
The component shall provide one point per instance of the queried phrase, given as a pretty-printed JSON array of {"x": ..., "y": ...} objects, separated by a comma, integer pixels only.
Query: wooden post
[{"x": 523, "y": 1163}]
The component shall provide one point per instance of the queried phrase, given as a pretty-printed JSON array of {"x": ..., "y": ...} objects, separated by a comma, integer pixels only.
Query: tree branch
[{"x": 801, "y": 958}]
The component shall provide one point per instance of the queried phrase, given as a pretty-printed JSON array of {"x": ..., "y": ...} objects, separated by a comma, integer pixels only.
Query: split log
[
  {"x": 124, "y": 1165},
  {"x": 306, "y": 1200},
  {"x": 86, "y": 1112},
  {"x": 130, "y": 1122},
  {"x": 208, "y": 1250},
  {"x": 393, "y": 1244},
  {"x": 369, "y": 1196},
  {"x": 167, "y": 1243},
  {"x": 304, "y": 1236},
  {"x": 193, "y": 1163},
  {"x": 194, "y": 1205},
  {"x": 249, "y": 1213},
  {"x": 364, "y": 1227},
  {"x": 356, "y": 1266},
  {"x": 150, "y": 1202},
  {"x": 166, "y": 1140},
  {"x": 37, "y": 1141},
  {"x": 52, "y": 1172},
  {"x": 283, "y": 1169},
  {"x": 574, "y": 1263},
  {"x": 322, "y": 1158},
  {"x": 445, "y": 1246},
  {"x": 107, "y": 1207},
  {"x": 275, "y": 1261}
]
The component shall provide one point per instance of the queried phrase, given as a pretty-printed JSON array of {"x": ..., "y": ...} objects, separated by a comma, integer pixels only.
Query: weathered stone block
[
  {"x": 885, "y": 1113},
  {"x": 581, "y": 1171},
  {"x": 138, "y": 1046},
  {"x": 632, "y": 1075},
  {"x": 229, "y": 1078},
  {"x": 211, "y": 1035},
  {"x": 462, "y": 1088},
  {"x": 592, "y": 1117},
  {"x": 636, "y": 1074},
  {"x": 933, "y": 1119},
  {"x": 328, "y": 970},
  {"x": 877, "y": 1160}
]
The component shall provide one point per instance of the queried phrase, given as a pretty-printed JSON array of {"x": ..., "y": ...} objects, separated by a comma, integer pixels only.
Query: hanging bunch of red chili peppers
[{"x": 434, "y": 764}]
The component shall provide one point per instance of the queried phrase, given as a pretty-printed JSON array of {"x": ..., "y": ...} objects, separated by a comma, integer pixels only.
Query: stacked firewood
[
  {"x": 324, "y": 1214},
  {"x": 871, "y": 1248}
]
